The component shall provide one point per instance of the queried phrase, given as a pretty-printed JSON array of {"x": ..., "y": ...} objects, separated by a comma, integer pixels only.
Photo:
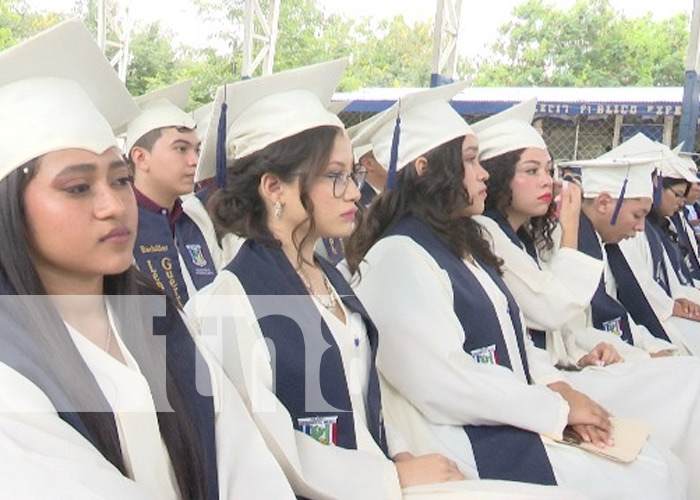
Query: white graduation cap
[
  {"x": 686, "y": 160},
  {"x": 58, "y": 91},
  {"x": 159, "y": 109},
  {"x": 202, "y": 116},
  {"x": 263, "y": 110},
  {"x": 416, "y": 124},
  {"x": 361, "y": 144},
  {"x": 509, "y": 130}
]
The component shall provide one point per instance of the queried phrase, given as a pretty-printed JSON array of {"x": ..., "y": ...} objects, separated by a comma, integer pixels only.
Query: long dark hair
[
  {"x": 238, "y": 207},
  {"x": 501, "y": 171},
  {"x": 56, "y": 354},
  {"x": 437, "y": 198}
]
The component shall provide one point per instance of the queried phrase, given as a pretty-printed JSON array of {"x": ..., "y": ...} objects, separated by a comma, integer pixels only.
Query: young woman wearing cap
[
  {"x": 103, "y": 391},
  {"x": 461, "y": 376}
]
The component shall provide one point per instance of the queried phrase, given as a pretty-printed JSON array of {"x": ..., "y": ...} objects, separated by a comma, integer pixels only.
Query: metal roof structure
[{"x": 552, "y": 101}]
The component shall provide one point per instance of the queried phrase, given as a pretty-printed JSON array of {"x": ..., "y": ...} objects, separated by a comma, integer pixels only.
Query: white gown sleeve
[
  {"x": 314, "y": 470},
  {"x": 410, "y": 299},
  {"x": 42, "y": 456},
  {"x": 550, "y": 296},
  {"x": 247, "y": 469}
]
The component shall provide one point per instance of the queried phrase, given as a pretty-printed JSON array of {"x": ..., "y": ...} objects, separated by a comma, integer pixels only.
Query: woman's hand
[
  {"x": 569, "y": 213},
  {"x": 590, "y": 420},
  {"x": 603, "y": 354},
  {"x": 684, "y": 308},
  {"x": 425, "y": 469}
]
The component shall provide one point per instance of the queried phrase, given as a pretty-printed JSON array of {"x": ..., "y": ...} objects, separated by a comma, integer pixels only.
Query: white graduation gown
[
  {"x": 315, "y": 470},
  {"x": 665, "y": 392},
  {"x": 42, "y": 456},
  {"x": 222, "y": 252},
  {"x": 434, "y": 387},
  {"x": 684, "y": 333}
]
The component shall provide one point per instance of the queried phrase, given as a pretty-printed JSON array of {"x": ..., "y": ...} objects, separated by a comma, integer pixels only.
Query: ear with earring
[{"x": 278, "y": 209}]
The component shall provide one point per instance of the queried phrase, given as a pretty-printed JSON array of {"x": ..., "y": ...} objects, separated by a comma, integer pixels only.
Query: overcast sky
[{"x": 478, "y": 27}]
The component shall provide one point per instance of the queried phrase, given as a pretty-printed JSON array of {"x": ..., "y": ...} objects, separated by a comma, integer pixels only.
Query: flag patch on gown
[
  {"x": 196, "y": 255},
  {"x": 485, "y": 355},
  {"x": 613, "y": 326},
  {"x": 322, "y": 429}
]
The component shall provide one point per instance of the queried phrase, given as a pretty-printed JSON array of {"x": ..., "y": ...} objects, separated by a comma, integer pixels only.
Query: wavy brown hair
[
  {"x": 437, "y": 198},
  {"x": 238, "y": 208},
  {"x": 501, "y": 171}
]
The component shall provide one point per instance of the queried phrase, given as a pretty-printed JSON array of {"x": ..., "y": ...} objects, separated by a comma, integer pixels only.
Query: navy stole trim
[
  {"x": 656, "y": 248},
  {"x": 523, "y": 241},
  {"x": 501, "y": 451},
  {"x": 690, "y": 258},
  {"x": 672, "y": 250},
  {"x": 265, "y": 272},
  {"x": 184, "y": 363},
  {"x": 19, "y": 352},
  {"x": 157, "y": 256},
  {"x": 607, "y": 313},
  {"x": 334, "y": 249},
  {"x": 367, "y": 194}
]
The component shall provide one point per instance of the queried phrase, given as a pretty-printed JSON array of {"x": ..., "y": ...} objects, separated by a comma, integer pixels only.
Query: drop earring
[{"x": 278, "y": 209}]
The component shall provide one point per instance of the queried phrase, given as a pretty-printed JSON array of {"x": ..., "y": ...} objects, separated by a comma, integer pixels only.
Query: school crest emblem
[
  {"x": 485, "y": 355},
  {"x": 613, "y": 326},
  {"x": 322, "y": 429},
  {"x": 196, "y": 255}
]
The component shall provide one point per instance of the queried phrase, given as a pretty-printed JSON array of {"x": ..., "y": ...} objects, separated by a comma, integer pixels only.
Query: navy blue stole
[
  {"x": 501, "y": 451},
  {"x": 266, "y": 274},
  {"x": 607, "y": 313},
  {"x": 368, "y": 194},
  {"x": 157, "y": 253},
  {"x": 523, "y": 241},
  {"x": 334, "y": 249},
  {"x": 690, "y": 258},
  {"x": 654, "y": 231},
  {"x": 19, "y": 351}
]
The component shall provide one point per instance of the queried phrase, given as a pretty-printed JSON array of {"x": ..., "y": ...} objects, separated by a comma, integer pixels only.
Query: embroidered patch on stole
[
  {"x": 322, "y": 429},
  {"x": 196, "y": 255},
  {"x": 486, "y": 355},
  {"x": 613, "y": 326}
]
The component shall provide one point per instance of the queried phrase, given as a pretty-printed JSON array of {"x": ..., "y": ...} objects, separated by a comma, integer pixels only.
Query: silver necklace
[{"x": 328, "y": 301}]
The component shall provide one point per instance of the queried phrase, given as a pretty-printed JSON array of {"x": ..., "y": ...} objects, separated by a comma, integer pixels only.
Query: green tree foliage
[
  {"x": 590, "y": 44},
  {"x": 18, "y": 21}
]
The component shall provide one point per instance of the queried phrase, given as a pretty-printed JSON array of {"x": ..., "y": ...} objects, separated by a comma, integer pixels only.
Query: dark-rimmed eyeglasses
[
  {"x": 341, "y": 181},
  {"x": 679, "y": 196}
]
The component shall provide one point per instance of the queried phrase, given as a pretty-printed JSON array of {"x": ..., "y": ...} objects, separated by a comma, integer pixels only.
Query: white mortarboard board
[
  {"x": 337, "y": 107},
  {"x": 160, "y": 108},
  {"x": 201, "y": 116},
  {"x": 427, "y": 120},
  {"x": 361, "y": 144},
  {"x": 264, "y": 110},
  {"x": 58, "y": 91},
  {"x": 687, "y": 161},
  {"x": 608, "y": 175},
  {"x": 508, "y": 131}
]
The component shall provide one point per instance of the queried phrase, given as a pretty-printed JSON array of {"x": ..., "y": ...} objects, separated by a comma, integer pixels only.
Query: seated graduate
[
  {"x": 461, "y": 377},
  {"x": 178, "y": 251},
  {"x": 103, "y": 391},
  {"x": 681, "y": 226},
  {"x": 691, "y": 210},
  {"x": 302, "y": 354},
  {"x": 551, "y": 290}
]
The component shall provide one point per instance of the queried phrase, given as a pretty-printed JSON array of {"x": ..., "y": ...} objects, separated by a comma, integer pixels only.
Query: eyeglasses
[
  {"x": 679, "y": 196},
  {"x": 341, "y": 181}
]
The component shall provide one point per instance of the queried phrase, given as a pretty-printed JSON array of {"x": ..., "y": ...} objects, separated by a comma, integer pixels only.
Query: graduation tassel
[
  {"x": 221, "y": 146},
  {"x": 620, "y": 198},
  {"x": 391, "y": 179}
]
